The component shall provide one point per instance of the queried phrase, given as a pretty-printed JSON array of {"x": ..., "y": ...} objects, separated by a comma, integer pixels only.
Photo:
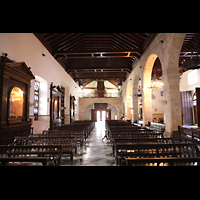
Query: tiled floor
[{"x": 96, "y": 152}]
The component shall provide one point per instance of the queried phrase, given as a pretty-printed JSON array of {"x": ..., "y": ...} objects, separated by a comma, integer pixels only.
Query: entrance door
[
  {"x": 103, "y": 115},
  {"x": 100, "y": 115}
]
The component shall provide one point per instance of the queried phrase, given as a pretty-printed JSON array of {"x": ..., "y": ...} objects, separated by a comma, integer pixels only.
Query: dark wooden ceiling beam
[
  {"x": 148, "y": 41},
  {"x": 111, "y": 55},
  {"x": 44, "y": 42},
  {"x": 100, "y": 78},
  {"x": 99, "y": 53},
  {"x": 100, "y": 69}
]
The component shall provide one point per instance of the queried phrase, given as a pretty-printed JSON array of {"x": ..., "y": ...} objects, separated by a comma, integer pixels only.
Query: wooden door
[
  {"x": 187, "y": 107},
  {"x": 198, "y": 106},
  {"x": 94, "y": 115}
]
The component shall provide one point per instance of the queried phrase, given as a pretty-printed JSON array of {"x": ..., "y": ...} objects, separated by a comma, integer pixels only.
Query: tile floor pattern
[{"x": 95, "y": 152}]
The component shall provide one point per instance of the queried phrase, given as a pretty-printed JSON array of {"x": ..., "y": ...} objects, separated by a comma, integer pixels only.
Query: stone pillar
[
  {"x": 135, "y": 103},
  {"x": 147, "y": 108},
  {"x": 171, "y": 93}
]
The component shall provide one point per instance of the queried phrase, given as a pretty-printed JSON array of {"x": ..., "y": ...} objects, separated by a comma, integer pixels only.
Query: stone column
[
  {"x": 147, "y": 107},
  {"x": 135, "y": 103},
  {"x": 172, "y": 103}
]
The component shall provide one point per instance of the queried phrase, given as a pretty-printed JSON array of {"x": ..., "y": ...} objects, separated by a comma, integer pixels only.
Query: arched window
[
  {"x": 36, "y": 99},
  {"x": 16, "y": 103}
]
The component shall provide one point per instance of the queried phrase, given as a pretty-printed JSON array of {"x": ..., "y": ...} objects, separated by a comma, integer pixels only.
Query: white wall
[
  {"x": 25, "y": 47},
  {"x": 157, "y": 106},
  {"x": 184, "y": 86}
]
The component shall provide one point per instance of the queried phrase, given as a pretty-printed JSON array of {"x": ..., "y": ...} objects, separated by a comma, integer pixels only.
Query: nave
[
  {"x": 95, "y": 151},
  {"x": 83, "y": 144}
]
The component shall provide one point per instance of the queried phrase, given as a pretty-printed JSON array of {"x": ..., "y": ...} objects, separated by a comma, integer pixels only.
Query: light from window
[{"x": 192, "y": 77}]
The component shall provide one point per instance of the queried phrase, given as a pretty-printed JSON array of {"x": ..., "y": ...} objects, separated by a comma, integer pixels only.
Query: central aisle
[{"x": 96, "y": 152}]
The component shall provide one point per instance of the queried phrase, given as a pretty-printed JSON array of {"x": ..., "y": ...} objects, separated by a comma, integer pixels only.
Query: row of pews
[
  {"x": 48, "y": 147},
  {"x": 138, "y": 146}
]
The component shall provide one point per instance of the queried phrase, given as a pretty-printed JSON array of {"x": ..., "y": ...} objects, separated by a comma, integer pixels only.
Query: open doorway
[{"x": 101, "y": 115}]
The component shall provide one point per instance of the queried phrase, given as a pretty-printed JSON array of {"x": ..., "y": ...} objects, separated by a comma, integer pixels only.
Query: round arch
[
  {"x": 85, "y": 102},
  {"x": 148, "y": 69},
  {"x": 147, "y": 99},
  {"x": 136, "y": 80},
  {"x": 128, "y": 101}
]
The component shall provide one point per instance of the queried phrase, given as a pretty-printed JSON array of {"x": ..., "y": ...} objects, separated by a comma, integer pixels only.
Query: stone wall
[{"x": 85, "y": 103}]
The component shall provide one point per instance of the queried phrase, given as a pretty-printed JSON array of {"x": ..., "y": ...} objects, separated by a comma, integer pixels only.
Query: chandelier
[{"x": 155, "y": 84}]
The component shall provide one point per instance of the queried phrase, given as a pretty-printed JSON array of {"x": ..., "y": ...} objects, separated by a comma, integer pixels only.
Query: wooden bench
[
  {"x": 68, "y": 145},
  {"x": 173, "y": 161},
  {"x": 135, "y": 136},
  {"x": 155, "y": 150},
  {"x": 188, "y": 135},
  {"x": 78, "y": 136},
  {"x": 30, "y": 153},
  {"x": 117, "y": 141}
]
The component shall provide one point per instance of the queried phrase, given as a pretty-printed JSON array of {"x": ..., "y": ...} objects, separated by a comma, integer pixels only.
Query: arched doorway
[{"x": 101, "y": 111}]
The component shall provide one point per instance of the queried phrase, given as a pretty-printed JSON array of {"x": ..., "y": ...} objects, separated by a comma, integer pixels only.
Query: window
[
  {"x": 195, "y": 99},
  {"x": 16, "y": 103},
  {"x": 36, "y": 99},
  {"x": 192, "y": 77}
]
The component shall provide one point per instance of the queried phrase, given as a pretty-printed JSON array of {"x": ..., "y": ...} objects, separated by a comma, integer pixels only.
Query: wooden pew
[
  {"x": 140, "y": 141},
  {"x": 155, "y": 150},
  {"x": 172, "y": 161},
  {"x": 135, "y": 136},
  {"x": 68, "y": 145},
  {"x": 188, "y": 135},
  {"x": 79, "y": 138},
  {"x": 30, "y": 153}
]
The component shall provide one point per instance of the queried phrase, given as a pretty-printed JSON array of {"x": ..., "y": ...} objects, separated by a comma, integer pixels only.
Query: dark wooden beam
[
  {"x": 99, "y": 53},
  {"x": 149, "y": 40},
  {"x": 44, "y": 42},
  {"x": 101, "y": 78},
  {"x": 100, "y": 69}
]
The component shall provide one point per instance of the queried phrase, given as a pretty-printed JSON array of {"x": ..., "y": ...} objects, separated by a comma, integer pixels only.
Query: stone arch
[
  {"x": 84, "y": 102},
  {"x": 147, "y": 102},
  {"x": 168, "y": 52},
  {"x": 136, "y": 79},
  {"x": 171, "y": 80},
  {"x": 128, "y": 101},
  {"x": 87, "y": 110}
]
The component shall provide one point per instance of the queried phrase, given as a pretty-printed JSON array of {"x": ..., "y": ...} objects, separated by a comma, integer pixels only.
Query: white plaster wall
[
  {"x": 156, "y": 103},
  {"x": 25, "y": 47},
  {"x": 184, "y": 82}
]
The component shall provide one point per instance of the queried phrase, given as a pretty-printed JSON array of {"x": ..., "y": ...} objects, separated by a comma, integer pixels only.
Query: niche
[{"x": 16, "y": 103}]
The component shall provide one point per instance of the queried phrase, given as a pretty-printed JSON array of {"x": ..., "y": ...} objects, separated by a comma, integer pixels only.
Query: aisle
[{"x": 98, "y": 153}]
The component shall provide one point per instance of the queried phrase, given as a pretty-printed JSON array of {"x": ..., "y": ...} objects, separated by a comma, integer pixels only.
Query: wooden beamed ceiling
[
  {"x": 96, "y": 56},
  {"x": 187, "y": 48},
  {"x": 105, "y": 56}
]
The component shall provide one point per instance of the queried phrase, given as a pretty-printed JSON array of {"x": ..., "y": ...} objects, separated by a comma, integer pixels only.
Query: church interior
[{"x": 99, "y": 99}]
